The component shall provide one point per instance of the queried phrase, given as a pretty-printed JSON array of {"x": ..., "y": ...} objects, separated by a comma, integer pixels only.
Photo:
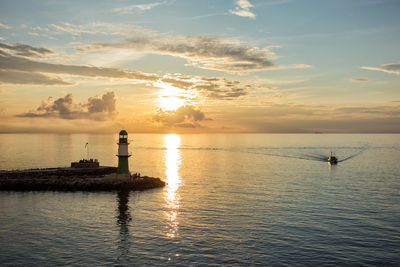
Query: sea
[{"x": 231, "y": 200}]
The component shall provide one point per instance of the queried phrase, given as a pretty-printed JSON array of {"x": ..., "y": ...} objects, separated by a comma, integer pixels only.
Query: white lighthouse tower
[{"x": 123, "y": 153}]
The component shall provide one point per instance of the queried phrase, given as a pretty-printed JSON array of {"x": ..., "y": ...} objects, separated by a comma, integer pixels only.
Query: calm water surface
[{"x": 240, "y": 199}]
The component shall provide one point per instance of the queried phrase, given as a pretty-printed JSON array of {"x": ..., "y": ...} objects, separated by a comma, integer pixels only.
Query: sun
[
  {"x": 170, "y": 102},
  {"x": 170, "y": 98}
]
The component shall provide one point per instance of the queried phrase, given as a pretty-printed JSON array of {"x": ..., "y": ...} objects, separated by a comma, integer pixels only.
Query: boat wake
[
  {"x": 320, "y": 154},
  {"x": 354, "y": 155},
  {"x": 316, "y": 156}
]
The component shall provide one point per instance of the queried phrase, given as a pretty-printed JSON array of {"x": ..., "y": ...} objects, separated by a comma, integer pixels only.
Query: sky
[{"x": 189, "y": 66}]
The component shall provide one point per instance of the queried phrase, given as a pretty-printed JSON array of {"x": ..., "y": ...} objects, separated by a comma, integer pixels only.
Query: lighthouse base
[{"x": 123, "y": 165}]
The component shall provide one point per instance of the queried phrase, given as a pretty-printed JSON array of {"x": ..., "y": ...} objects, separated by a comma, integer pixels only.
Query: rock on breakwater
[{"x": 72, "y": 179}]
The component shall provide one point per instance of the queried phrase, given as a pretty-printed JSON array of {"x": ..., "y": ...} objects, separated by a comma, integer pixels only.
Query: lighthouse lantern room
[{"x": 123, "y": 153}]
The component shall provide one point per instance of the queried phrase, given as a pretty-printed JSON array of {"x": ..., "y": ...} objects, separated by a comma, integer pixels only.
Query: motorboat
[{"x": 332, "y": 159}]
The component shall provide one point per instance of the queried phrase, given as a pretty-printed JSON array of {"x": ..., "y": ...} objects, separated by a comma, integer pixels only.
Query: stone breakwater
[{"x": 74, "y": 179}]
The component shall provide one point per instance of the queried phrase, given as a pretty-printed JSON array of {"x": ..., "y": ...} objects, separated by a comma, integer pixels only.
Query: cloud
[
  {"x": 101, "y": 28},
  {"x": 15, "y": 63},
  {"x": 33, "y": 33},
  {"x": 26, "y": 50},
  {"x": 222, "y": 88},
  {"x": 280, "y": 81},
  {"x": 96, "y": 108},
  {"x": 136, "y": 8},
  {"x": 389, "y": 110},
  {"x": 292, "y": 117},
  {"x": 243, "y": 9},
  {"x": 106, "y": 103},
  {"x": 392, "y": 68},
  {"x": 23, "y": 77},
  {"x": 214, "y": 88},
  {"x": 185, "y": 117},
  {"x": 221, "y": 54},
  {"x": 349, "y": 125},
  {"x": 55, "y": 125},
  {"x": 72, "y": 29},
  {"x": 20, "y": 70},
  {"x": 359, "y": 79},
  {"x": 4, "y": 26}
]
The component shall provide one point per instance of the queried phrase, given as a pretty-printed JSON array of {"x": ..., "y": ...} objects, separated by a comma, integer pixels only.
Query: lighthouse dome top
[{"x": 123, "y": 137}]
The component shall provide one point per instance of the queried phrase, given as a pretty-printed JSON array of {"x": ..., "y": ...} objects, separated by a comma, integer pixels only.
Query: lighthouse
[{"x": 123, "y": 154}]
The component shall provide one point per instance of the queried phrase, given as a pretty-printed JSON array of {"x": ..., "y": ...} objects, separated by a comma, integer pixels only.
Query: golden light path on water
[{"x": 171, "y": 194}]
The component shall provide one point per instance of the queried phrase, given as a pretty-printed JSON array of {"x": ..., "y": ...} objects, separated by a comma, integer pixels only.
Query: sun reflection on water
[{"x": 171, "y": 194}]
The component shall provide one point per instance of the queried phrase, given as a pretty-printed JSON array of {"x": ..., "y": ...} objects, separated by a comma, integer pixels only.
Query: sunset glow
[
  {"x": 169, "y": 98},
  {"x": 218, "y": 66},
  {"x": 199, "y": 133},
  {"x": 170, "y": 102}
]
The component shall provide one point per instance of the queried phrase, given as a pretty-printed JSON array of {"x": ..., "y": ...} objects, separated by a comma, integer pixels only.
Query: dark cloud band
[
  {"x": 20, "y": 70},
  {"x": 228, "y": 55}
]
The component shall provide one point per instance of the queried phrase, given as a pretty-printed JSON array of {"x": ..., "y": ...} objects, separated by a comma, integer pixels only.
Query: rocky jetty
[{"x": 75, "y": 179}]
